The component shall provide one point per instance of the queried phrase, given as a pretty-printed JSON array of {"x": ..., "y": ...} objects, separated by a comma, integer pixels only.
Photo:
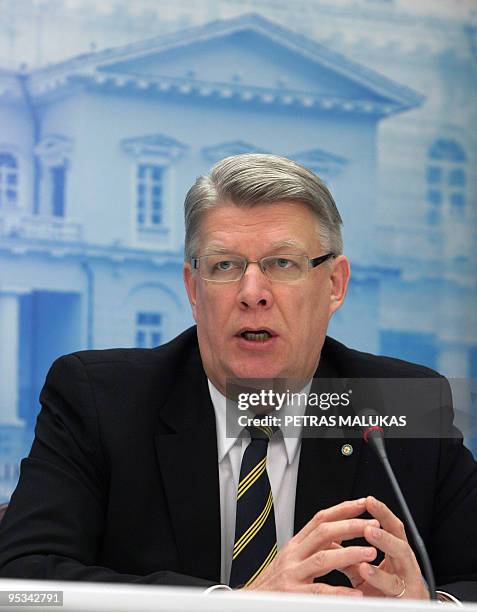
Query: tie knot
[{"x": 261, "y": 433}]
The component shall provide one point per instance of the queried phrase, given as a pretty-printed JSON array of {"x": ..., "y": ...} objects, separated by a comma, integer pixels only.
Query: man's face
[{"x": 296, "y": 315}]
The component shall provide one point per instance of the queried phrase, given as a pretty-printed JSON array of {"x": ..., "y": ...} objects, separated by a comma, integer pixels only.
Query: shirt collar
[
  {"x": 224, "y": 417},
  {"x": 224, "y": 443}
]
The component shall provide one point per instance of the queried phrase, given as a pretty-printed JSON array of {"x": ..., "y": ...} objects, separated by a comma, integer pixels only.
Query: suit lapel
[
  {"x": 325, "y": 476},
  {"x": 187, "y": 456}
]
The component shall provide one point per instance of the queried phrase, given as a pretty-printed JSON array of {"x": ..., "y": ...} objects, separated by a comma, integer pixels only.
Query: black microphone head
[
  {"x": 370, "y": 424},
  {"x": 373, "y": 432}
]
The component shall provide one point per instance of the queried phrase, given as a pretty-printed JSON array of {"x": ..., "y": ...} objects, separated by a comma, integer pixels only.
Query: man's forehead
[{"x": 289, "y": 226}]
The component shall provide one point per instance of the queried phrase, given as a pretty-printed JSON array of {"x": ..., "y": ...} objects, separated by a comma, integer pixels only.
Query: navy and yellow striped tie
[{"x": 255, "y": 533}]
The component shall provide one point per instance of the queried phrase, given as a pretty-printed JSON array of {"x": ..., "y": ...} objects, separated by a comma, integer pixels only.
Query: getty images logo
[{"x": 275, "y": 400}]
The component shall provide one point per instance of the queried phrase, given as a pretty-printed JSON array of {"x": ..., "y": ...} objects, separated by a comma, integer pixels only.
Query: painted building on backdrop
[{"x": 98, "y": 151}]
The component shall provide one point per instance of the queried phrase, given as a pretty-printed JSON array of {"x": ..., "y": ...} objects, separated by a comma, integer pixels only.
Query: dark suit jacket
[{"x": 121, "y": 483}]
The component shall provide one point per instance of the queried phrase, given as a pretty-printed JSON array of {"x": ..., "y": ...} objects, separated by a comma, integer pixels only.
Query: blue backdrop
[{"x": 98, "y": 148}]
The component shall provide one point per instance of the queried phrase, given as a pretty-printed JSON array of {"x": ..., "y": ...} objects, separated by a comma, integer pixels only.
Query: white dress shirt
[{"x": 282, "y": 466}]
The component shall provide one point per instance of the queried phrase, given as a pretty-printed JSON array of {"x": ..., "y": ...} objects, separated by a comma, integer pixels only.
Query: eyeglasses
[{"x": 278, "y": 268}]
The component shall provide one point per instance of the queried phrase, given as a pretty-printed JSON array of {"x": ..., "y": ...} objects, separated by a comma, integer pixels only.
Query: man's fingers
[
  {"x": 326, "y": 533},
  {"x": 318, "y": 588},
  {"x": 395, "y": 547},
  {"x": 324, "y": 561},
  {"x": 387, "y": 584},
  {"x": 352, "y": 571},
  {"x": 340, "y": 512},
  {"x": 389, "y": 521}
]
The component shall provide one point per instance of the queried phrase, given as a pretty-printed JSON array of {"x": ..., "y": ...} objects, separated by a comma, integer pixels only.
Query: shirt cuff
[
  {"x": 217, "y": 587},
  {"x": 446, "y": 598}
]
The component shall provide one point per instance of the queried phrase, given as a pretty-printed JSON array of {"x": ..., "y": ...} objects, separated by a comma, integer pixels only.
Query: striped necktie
[{"x": 255, "y": 534}]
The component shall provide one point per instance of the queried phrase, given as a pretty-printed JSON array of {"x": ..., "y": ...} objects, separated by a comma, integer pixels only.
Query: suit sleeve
[
  {"x": 54, "y": 524},
  {"x": 454, "y": 537}
]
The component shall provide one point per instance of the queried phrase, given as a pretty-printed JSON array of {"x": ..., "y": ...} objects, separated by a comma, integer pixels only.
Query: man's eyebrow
[
  {"x": 212, "y": 249},
  {"x": 285, "y": 244},
  {"x": 215, "y": 248}
]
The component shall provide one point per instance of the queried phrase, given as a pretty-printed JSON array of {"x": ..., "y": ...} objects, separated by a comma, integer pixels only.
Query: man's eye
[
  {"x": 283, "y": 263},
  {"x": 224, "y": 265}
]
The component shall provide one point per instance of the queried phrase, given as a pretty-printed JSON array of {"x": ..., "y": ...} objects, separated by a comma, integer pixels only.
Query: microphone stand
[{"x": 375, "y": 437}]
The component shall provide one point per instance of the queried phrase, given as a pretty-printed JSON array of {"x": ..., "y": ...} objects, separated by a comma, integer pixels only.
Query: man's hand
[
  {"x": 398, "y": 575},
  {"x": 312, "y": 552}
]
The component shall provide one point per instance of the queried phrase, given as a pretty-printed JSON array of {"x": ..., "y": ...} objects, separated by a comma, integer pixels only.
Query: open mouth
[{"x": 258, "y": 335}]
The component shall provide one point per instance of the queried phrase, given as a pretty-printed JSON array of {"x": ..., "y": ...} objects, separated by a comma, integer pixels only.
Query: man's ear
[
  {"x": 339, "y": 279},
  {"x": 190, "y": 282}
]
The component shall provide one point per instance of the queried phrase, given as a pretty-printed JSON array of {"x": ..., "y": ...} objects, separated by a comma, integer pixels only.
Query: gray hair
[{"x": 254, "y": 178}]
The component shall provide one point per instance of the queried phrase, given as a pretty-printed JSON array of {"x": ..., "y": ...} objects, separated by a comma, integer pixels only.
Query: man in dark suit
[{"x": 132, "y": 478}]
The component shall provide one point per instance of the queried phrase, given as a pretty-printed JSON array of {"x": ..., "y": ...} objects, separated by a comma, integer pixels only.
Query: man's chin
[{"x": 251, "y": 370}]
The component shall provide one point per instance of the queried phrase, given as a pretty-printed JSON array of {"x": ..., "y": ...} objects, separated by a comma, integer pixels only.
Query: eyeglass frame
[{"x": 312, "y": 263}]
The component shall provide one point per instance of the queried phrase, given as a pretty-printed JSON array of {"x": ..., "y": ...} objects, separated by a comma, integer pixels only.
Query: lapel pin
[{"x": 346, "y": 450}]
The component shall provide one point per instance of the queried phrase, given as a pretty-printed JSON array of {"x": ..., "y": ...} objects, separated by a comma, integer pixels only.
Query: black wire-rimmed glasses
[{"x": 286, "y": 268}]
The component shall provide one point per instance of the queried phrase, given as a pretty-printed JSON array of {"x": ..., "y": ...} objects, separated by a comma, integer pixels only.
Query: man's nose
[{"x": 255, "y": 289}]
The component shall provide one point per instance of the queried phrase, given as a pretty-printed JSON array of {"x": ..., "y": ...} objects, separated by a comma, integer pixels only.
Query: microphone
[{"x": 374, "y": 436}]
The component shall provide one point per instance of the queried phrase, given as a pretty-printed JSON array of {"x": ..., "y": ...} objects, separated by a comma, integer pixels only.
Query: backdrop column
[{"x": 9, "y": 351}]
